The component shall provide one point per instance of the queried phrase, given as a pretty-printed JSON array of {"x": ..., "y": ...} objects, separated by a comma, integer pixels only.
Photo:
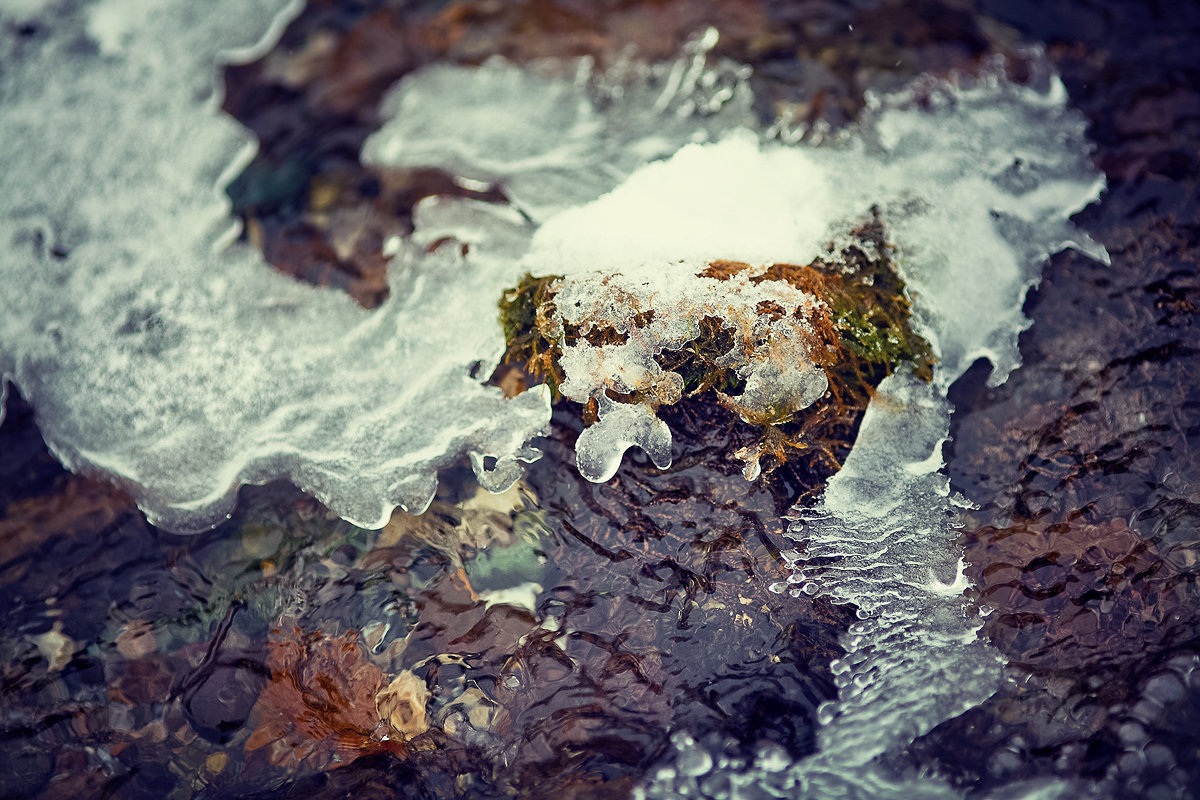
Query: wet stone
[{"x": 1084, "y": 455}]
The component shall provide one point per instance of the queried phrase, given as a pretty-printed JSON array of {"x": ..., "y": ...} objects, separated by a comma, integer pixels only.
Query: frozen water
[
  {"x": 660, "y": 308},
  {"x": 736, "y": 199},
  {"x": 558, "y": 133},
  {"x": 181, "y": 367},
  {"x": 971, "y": 239},
  {"x": 976, "y": 185},
  {"x": 884, "y": 531},
  {"x": 600, "y": 447},
  {"x": 23, "y": 10}
]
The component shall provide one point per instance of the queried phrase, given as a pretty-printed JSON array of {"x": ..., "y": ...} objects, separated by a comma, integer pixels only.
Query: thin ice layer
[
  {"x": 883, "y": 532},
  {"x": 182, "y": 369},
  {"x": 556, "y": 134},
  {"x": 978, "y": 187},
  {"x": 883, "y": 536},
  {"x": 23, "y": 10}
]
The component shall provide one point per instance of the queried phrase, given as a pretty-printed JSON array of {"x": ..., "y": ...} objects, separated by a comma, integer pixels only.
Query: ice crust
[
  {"x": 179, "y": 366},
  {"x": 972, "y": 206},
  {"x": 558, "y": 133},
  {"x": 773, "y": 354}
]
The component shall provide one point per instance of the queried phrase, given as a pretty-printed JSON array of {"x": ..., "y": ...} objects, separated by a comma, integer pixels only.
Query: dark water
[
  {"x": 173, "y": 656},
  {"x": 249, "y": 661},
  {"x": 1085, "y": 463}
]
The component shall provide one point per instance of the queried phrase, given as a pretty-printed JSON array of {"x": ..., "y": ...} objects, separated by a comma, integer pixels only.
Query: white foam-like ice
[
  {"x": 182, "y": 368},
  {"x": 977, "y": 189},
  {"x": 734, "y": 199},
  {"x": 660, "y": 309}
]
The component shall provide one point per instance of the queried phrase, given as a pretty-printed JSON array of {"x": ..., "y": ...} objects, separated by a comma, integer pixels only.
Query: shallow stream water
[{"x": 566, "y": 638}]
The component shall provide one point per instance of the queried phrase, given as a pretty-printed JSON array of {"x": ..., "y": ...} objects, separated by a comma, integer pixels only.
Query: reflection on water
[{"x": 568, "y": 634}]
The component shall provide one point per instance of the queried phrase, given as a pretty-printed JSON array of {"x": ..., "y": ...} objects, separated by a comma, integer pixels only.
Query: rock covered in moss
[{"x": 766, "y": 342}]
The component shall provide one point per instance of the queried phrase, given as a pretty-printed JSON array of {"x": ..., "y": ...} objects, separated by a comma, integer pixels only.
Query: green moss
[
  {"x": 518, "y": 306},
  {"x": 696, "y": 363},
  {"x": 525, "y": 312},
  {"x": 875, "y": 343},
  {"x": 863, "y": 333},
  {"x": 870, "y": 311}
]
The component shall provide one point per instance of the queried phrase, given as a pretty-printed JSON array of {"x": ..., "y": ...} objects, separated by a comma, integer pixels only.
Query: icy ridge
[
  {"x": 179, "y": 366},
  {"x": 559, "y": 133},
  {"x": 883, "y": 537},
  {"x": 979, "y": 185}
]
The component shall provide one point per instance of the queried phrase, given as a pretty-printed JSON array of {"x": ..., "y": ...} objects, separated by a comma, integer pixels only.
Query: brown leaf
[{"x": 320, "y": 702}]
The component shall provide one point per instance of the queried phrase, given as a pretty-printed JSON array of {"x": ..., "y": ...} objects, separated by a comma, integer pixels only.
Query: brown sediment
[{"x": 327, "y": 704}]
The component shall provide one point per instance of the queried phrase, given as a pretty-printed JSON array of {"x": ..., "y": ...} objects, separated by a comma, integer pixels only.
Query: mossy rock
[{"x": 861, "y": 331}]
